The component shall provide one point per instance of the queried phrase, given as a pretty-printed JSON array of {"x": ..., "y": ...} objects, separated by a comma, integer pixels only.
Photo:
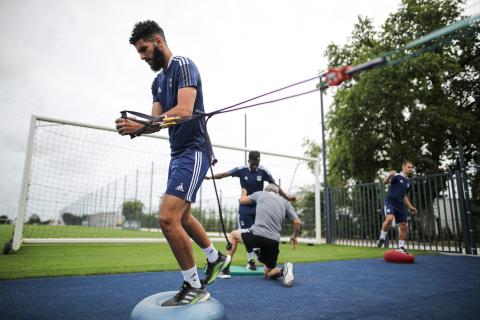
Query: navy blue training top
[
  {"x": 181, "y": 73},
  {"x": 252, "y": 182},
  {"x": 399, "y": 186}
]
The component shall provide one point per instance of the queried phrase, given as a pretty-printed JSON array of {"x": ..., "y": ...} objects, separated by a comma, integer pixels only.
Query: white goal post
[{"x": 84, "y": 183}]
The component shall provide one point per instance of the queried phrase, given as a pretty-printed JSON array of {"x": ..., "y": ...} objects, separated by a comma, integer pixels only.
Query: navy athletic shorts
[
  {"x": 186, "y": 173},
  {"x": 245, "y": 221},
  {"x": 399, "y": 211}
]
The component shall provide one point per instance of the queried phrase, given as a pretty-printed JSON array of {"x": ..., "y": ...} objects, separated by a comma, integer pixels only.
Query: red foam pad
[{"x": 398, "y": 257}]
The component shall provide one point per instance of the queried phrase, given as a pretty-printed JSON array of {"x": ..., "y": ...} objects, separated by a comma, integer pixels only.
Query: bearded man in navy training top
[
  {"x": 396, "y": 204},
  {"x": 177, "y": 92},
  {"x": 252, "y": 178}
]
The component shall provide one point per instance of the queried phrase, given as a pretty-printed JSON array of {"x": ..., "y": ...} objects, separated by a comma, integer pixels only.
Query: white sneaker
[
  {"x": 288, "y": 276},
  {"x": 402, "y": 250}
]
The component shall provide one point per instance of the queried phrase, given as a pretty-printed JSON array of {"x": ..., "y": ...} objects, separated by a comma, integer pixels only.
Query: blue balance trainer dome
[{"x": 150, "y": 309}]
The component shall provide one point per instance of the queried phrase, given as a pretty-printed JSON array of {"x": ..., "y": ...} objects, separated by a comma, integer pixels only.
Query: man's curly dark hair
[{"x": 146, "y": 30}]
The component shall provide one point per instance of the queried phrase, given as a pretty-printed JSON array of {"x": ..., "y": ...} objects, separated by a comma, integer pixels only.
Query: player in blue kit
[
  {"x": 252, "y": 178},
  {"x": 396, "y": 204},
  {"x": 177, "y": 92}
]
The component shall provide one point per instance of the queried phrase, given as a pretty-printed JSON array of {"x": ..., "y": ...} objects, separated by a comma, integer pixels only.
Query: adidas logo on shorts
[{"x": 180, "y": 187}]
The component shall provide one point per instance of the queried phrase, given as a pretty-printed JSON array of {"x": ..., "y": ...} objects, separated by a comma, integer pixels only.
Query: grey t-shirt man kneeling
[{"x": 265, "y": 233}]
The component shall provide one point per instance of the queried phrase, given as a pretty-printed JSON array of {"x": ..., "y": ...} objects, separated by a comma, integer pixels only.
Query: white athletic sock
[
  {"x": 191, "y": 276},
  {"x": 401, "y": 243},
  {"x": 250, "y": 255},
  {"x": 211, "y": 253},
  {"x": 383, "y": 234}
]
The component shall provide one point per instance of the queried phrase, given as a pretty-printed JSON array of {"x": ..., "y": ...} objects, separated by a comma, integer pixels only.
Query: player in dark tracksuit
[
  {"x": 252, "y": 178},
  {"x": 396, "y": 204}
]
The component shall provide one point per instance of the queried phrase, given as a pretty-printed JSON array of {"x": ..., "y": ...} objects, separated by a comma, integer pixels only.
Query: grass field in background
[
  {"x": 6, "y": 233},
  {"x": 88, "y": 259}
]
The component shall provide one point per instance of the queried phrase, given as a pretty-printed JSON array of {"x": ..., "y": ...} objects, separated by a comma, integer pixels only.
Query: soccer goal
[{"x": 84, "y": 183}]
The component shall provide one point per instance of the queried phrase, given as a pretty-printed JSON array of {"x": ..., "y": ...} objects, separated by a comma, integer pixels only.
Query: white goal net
[{"x": 86, "y": 183}]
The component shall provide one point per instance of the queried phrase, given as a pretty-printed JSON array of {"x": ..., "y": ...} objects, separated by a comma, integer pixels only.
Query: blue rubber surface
[{"x": 434, "y": 287}]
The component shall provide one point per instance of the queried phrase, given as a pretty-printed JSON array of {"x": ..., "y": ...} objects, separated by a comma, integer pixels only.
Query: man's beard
[{"x": 157, "y": 59}]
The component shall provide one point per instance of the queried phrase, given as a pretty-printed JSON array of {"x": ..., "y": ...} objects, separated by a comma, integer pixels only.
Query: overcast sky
[{"x": 72, "y": 60}]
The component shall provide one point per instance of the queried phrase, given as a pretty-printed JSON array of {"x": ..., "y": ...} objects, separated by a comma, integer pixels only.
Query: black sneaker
[
  {"x": 380, "y": 242},
  {"x": 251, "y": 265},
  {"x": 213, "y": 269},
  {"x": 187, "y": 295},
  {"x": 225, "y": 274}
]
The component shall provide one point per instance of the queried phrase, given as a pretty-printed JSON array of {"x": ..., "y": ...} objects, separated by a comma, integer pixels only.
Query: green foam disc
[{"x": 242, "y": 271}]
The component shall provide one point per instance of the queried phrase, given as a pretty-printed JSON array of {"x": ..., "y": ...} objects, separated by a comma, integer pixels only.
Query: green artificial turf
[{"x": 48, "y": 260}]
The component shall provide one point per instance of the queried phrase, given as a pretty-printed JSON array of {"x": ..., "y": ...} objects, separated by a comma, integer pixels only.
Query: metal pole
[
  {"x": 107, "y": 196},
  {"x": 115, "y": 205},
  {"x": 220, "y": 205},
  {"x": 463, "y": 214},
  {"x": 468, "y": 212},
  {"x": 124, "y": 197},
  {"x": 95, "y": 214},
  {"x": 136, "y": 184},
  {"x": 101, "y": 214},
  {"x": 382, "y": 219},
  {"x": 22, "y": 202},
  {"x": 151, "y": 191},
  {"x": 245, "y": 138},
  {"x": 318, "y": 218},
  {"x": 136, "y": 194},
  {"x": 326, "y": 198}
]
